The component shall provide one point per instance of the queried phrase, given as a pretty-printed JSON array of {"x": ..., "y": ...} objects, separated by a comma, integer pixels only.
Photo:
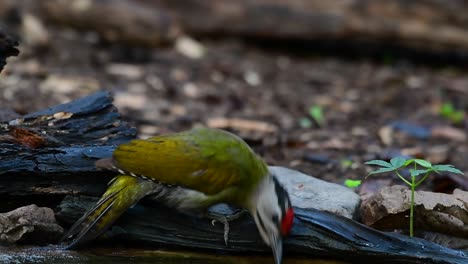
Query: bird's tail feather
[{"x": 123, "y": 192}]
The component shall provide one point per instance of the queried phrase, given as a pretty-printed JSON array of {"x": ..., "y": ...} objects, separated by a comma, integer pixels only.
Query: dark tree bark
[
  {"x": 315, "y": 234},
  {"x": 51, "y": 153}
]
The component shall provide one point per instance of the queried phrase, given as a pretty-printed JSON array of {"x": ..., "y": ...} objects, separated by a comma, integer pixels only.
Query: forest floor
[{"x": 374, "y": 107}]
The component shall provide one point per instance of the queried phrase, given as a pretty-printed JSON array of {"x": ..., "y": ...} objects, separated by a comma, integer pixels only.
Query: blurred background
[{"x": 317, "y": 86}]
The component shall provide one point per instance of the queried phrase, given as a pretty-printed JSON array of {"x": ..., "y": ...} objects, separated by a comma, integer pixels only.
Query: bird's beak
[{"x": 277, "y": 247}]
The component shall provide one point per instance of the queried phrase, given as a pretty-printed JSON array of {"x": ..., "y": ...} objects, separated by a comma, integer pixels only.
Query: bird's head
[{"x": 273, "y": 214}]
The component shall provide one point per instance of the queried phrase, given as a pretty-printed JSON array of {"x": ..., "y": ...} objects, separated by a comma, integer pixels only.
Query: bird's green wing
[{"x": 123, "y": 192}]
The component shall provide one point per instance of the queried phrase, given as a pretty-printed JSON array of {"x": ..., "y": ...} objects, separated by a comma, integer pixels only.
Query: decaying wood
[
  {"x": 51, "y": 153},
  {"x": 315, "y": 233},
  {"x": 7, "y": 48},
  {"x": 430, "y": 25},
  {"x": 46, "y": 155}
]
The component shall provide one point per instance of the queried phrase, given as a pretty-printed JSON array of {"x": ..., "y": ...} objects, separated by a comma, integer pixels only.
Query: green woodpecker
[{"x": 191, "y": 171}]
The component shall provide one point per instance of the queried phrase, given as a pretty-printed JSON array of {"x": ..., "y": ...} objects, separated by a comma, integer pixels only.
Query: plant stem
[
  {"x": 413, "y": 186},
  {"x": 423, "y": 179},
  {"x": 402, "y": 178}
]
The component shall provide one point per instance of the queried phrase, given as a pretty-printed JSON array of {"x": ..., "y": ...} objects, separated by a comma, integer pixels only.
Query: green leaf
[
  {"x": 455, "y": 170},
  {"x": 457, "y": 117},
  {"x": 381, "y": 163},
  {"x": 446, "y": 167},
  {"x": 352, "y": 183},
  {"x": 424, "y": 163},
  {"x": 447, "y": 109},
  {"x": 398, "y": 162},
  {"x": 316, "y": 113},
  {"x": 442, "y": 167},
  {"x": 381, "y": 170},
  {"x": 408, "y": 162},
  {"x": 415, "y": 173}
]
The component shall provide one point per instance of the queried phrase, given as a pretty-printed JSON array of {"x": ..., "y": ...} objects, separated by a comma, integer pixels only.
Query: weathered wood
[
  {"x": 52, "y": 152},
  {"x": 7, "y": 48},
  {"x": 315, "y": 233}
]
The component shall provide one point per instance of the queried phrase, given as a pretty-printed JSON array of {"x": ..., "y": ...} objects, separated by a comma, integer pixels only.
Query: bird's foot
[{"x": 225, "y": 219}]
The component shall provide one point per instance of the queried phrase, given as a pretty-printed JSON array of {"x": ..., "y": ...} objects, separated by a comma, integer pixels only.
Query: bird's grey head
[{"x": 273, "y": 214}]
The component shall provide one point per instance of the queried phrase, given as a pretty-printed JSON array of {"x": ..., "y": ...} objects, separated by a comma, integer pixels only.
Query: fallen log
[
  {"x": 417, "y": 24},
  {"x": 315, "y": 233},
  {"x": 47, "y": 155}
]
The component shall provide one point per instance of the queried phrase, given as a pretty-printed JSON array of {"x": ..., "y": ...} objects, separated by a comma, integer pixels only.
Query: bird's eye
[{"x": 275, "y": 219}]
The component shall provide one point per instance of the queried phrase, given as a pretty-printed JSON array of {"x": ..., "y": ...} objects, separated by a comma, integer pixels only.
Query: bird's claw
[{"x": 225, "y": 220}]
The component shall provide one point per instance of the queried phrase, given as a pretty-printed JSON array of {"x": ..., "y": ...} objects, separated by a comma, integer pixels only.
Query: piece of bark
[
  {"x": 7, "y": 48},
  {"x": 315, "y": 233},
  {"x": 51, "y": 153}
]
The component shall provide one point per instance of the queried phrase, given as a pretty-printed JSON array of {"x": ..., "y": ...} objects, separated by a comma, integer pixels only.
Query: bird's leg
[{"x": 225, "y": 219}]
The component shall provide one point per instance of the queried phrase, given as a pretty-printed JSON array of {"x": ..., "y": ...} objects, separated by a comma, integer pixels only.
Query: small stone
[
  {"x": 31, "y": 224},
  {"x": 63, "y": 87},
  {"x": 155, "y": 82},
  {"x": 415, "y": 82},
  {"x": 128, "y": 71},
  {"x": 450, "y": 133},
  {"x": 252, "y": 78},
  {"x": 190, "y": 47},
  {"x": 179, "y": 75},
  {"x": 191, "y": 90},
  {"x": 130, "y": 100},
  {"x": 438, "y": 212},
  {"x": 306, "y": 191},
  {"x": 33, "y": 31},
  {"x": 386, "y": 135}
]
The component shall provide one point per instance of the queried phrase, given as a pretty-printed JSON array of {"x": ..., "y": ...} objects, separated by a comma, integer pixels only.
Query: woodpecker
[{"x": 190, "y": 171}]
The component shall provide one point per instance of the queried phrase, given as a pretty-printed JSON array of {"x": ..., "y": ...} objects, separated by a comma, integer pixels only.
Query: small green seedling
[
  {"x": 448, "y": 111},
  {"x": 352, "y": 183},
  {"x": 316, "y": 112},
  {"x": 420, "y": 167}
]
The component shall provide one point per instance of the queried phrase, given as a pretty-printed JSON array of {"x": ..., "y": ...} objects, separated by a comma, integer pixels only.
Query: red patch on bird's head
[{"x": 287, "y": 222}]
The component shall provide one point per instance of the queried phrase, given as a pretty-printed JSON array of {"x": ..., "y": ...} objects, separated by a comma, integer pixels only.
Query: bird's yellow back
[{"x": 206, "y": 160}]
